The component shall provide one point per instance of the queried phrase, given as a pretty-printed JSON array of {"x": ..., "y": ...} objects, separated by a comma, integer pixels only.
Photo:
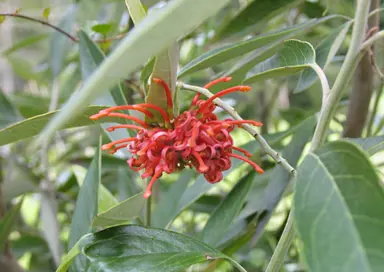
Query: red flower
[{"x": 196, "y": 138}]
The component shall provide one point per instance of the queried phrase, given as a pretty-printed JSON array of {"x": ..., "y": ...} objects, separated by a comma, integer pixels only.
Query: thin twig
[
  {"x": 68, "y": 35},
  {"x": 263, "y": 143}
]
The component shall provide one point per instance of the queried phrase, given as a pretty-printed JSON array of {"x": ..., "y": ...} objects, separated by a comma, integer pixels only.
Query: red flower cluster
[{"x": 196, "y": 138}]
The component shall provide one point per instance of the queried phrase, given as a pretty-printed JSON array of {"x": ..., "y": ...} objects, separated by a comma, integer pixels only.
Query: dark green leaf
[
  {"x": 325, "y": 52},
  {"x": 371, "y": 145},
  {"x": 103, "y": 29},
  {"x": 7, "y": 222},
  {"x": 226, "y": 212},
  {"x": 293, "y": 57},
  {"x": 132, "y": 51},
  {"x": 33, "y": 126},
  {"x": 339, "y": 210},
  {"x": 86, "y": 207},
  {"x": 136, "y": 248},
  {"x": 121, "y": 213},
  {"x": 256, "y": 12}
]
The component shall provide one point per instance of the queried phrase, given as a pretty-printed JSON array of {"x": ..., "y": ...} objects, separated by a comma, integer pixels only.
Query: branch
[
  {"x": 69, "y": 36},
  {"x": 368, "y": 43},
  {"x": 263, "y": 143}
]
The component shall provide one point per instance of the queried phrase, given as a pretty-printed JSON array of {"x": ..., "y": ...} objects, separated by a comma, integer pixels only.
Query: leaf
[
  {"x": 293, "y": 57},
  {"x": 60, "y": 44},
  {"x": 137, "y": 248},
  {"x": 136, "y": 10},
  {"x": 24, "y": 43},
  {"x": 146, "y": 73},
  {"x": 339, "y": 210},
  {"x": 132, "y": 51},
  {"x": 223, "y": 216},
  {"x": 256, "y": 12},
  {"x": 46, "y": 13},
  {"x": 167, "y": 207},
  {"x": 165, "y": 68},
  {"x": 90, "y": 58},
  {"x": 105, "y": 200},
  {"x": 239, "y": 71},
  {"x": 8, "y": 112},
  {"x": 86, "y": 207},
  {"x": 121, "y": 213},
  {"x": 103, "y": 29},
  {"x": 2, "y": 18},
  {"x": 7, "y": 222},
  {"x": 33, "y": 126},
  {"x": 371, "y": 145},
  {"x": 325, "y": 52},
  {"x": 280, "y": 178}
]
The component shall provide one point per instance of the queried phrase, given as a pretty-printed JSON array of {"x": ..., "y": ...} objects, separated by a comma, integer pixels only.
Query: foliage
[{"x": 67, "y": 205}]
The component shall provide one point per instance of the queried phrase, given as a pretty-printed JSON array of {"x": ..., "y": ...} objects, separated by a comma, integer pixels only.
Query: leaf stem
[
  {"x": 327, "y": 111},
  {"x": 148, "y": 211},
  {"x": 263, "y": 143}
]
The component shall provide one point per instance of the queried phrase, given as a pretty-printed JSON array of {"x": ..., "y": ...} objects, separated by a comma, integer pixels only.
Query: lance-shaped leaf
[
  {"x": 227, "y": 52},
  {"x": 137, "y": 47},
  {"x": 256, "y": 12},
  {"x": 136, "y": 10},
  {"x": 86, "y": 207},
  {"x": 8, "y": 112},
  {"x": 339, "y": 210},
  {"x": 34, "y": 125},
  {"x": 120, "y": 213},
  {"x": 293, "y": 57},
  {"x": 137, "y": 248},
  {"x": 226, "y": 212},
  {"x": 7, "y": 222},
  {"x": 325, "y": 52}
]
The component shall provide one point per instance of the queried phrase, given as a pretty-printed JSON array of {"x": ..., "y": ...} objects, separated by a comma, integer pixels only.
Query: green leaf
[
  {"x": 137, "y": 248},
  {"x": 33, "y": 126},
  {"x": 136, "y": 10},
  {"x": 60, "y": 44},
  {"x": 227, "y": 52},
  {"x": 167, "y": 207},
  {"x": 2, "y": 18},
  {"x": 24, "y": 43},
  {"x": 256, "y": 12},
  {"x": 90, "y": 58},
  {"x": 7, "y": 222},
  {"x": 105, "y": 200},
  {"x": 121, "y": 213},
  {"x": 339, "y": 208},
  {"x": 371, "y": 145},
  {"x": 280, "y": 178},
  {"x": 226, "y": 212},
  {"x": 46, "y": 13},
  {"x": 8, "y": 112},
  {"x": 146, "y": 73},
  {"x": 293, "y": 57},
  {"x": 71, "y": 255},
  {"x": 165, "y": 68},
  {"x": 135, "y": 49},
  {"x": 103, "y": 29},
  {"x": 325, "y": 52},
  {"x": 86, "y": 206},
  {"x": 239, "y": 71}
]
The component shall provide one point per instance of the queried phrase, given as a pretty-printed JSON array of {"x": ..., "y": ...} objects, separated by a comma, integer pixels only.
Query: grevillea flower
[{"x": 196, "y": 138}]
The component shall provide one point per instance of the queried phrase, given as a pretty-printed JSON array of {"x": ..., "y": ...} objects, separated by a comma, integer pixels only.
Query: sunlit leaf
[
  {"x": 136, "y": 10},
  {"x": 338, "y": 209},
  {"x": 46, "y": 13},
  {"x": 103, "y": 29},
  {"x": 371, "y": 145}
]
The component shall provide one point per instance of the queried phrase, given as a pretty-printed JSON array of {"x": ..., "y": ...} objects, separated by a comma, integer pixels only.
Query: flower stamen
[
  {"x": 111, "y": 144},
  {"x": 112, "y": 128},
  {"x": 148, "y": 191},
  {"x": 128, "y": 117},
  {"x": 254, "y": 165},
  {"x": 209, "y": 85},
  {"x": 166, "y": 89},
  {"x": 245, "y": 152}
]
